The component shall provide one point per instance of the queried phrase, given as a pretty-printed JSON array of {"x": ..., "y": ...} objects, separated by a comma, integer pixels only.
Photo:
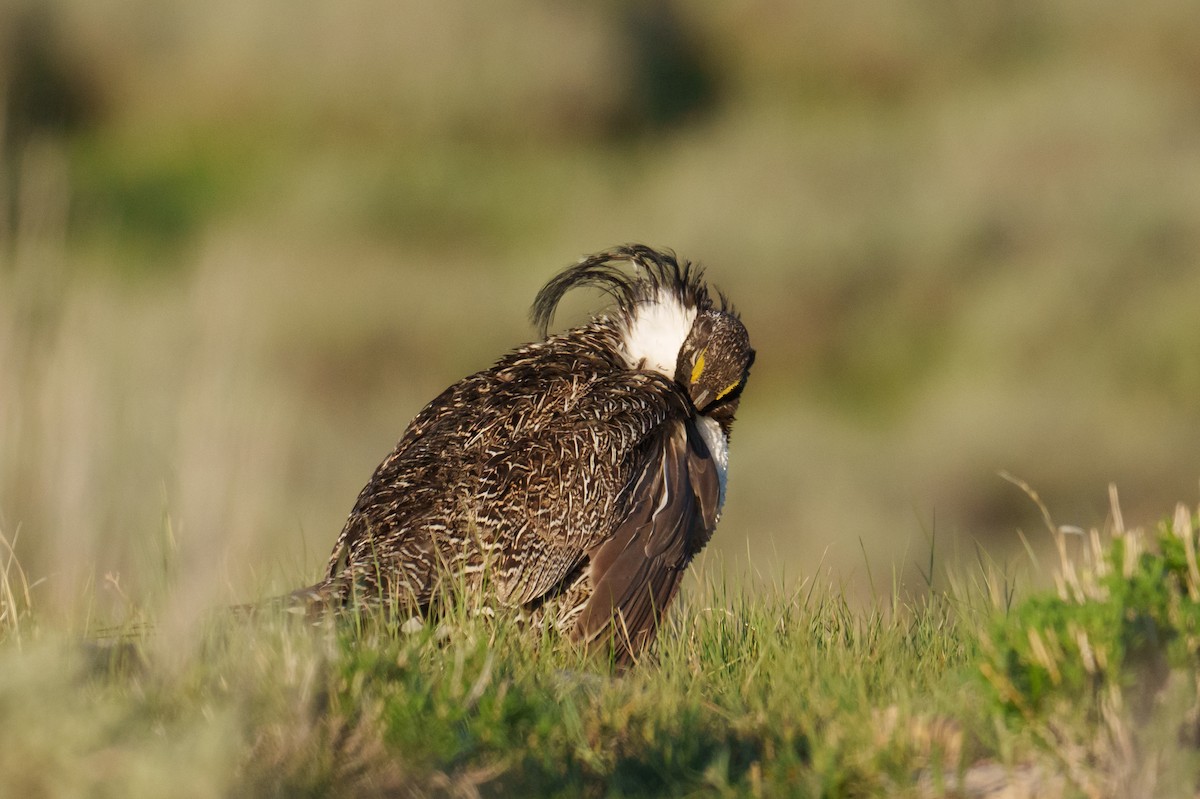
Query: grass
[
  {"x": 743, "y": 697},
  {"x": 789, "y": 691}
]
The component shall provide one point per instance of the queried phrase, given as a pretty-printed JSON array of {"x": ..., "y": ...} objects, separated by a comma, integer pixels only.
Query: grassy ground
[{"x": 1090, "y": 691}]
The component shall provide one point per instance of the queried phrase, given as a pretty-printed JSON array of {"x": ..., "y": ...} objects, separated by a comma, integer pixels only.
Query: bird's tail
[{"x": 312, "y": 602}]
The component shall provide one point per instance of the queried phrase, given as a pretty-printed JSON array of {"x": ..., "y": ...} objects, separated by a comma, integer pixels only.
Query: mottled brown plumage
[{"x": 581, "y": 473}]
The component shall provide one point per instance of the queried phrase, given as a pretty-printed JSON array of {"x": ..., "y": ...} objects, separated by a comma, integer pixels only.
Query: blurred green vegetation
[{"x": 242, "y": 244}]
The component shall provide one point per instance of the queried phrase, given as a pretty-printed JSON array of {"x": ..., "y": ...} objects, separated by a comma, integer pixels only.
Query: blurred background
[{"x": 241, "y": 244}]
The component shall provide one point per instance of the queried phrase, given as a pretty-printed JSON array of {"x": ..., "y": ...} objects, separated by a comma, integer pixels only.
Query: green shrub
[{"x": 1124, "y": 619}]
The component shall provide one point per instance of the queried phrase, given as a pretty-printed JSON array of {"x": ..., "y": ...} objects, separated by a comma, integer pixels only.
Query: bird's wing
[
  {"x": 672, "y": 513},
  {"x": 563, "y": 482}
]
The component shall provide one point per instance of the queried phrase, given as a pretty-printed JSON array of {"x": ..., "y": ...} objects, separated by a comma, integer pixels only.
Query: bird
[{"x": 577, "y": 477}]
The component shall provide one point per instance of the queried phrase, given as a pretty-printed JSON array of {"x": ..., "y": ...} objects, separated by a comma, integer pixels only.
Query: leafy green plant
[
  {"x": 1127, "y": 617},
  {"x": 1103, "y": 670}
]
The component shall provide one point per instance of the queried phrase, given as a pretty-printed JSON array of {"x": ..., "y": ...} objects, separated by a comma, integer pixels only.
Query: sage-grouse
[{"x": 578, "y": 476}]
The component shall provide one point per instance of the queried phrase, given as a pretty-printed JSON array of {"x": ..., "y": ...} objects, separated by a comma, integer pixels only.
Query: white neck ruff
[{"x": 655, "y": 333}]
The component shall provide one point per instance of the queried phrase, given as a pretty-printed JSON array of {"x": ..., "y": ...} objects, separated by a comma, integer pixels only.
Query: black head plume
[{"x": 655, "y": 271}]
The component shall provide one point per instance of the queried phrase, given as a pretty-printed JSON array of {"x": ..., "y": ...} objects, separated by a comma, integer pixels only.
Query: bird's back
[{"x": 514, "y": 473}]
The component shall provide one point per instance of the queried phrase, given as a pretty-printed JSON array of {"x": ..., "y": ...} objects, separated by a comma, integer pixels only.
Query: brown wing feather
[
  {"x": 706, "y": 483},
  {"x": 636, "y": 573}
]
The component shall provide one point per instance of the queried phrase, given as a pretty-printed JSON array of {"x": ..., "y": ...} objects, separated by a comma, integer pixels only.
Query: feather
[
  {"x": 636, "y": 572},
  {"x": 655, "y": 271}
]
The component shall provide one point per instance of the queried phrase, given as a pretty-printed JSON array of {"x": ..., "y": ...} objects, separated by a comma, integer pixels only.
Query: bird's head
[
  {"x": 714, "y": 361},
  {"x": 668, "y": 321}
]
